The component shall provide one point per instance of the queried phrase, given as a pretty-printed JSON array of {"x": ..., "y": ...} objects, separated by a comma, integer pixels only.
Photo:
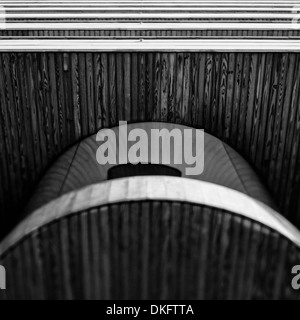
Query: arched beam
[{"x": 154, "y": 189}]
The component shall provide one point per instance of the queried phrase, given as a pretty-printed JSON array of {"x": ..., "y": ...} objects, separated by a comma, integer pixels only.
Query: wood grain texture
[
  {"x": 78, "y": 168},
  {"x": 135, "y": 251},
  {"x": 49, "y": 102}
]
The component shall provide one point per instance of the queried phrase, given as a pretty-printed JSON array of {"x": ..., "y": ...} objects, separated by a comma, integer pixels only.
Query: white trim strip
[
  {"x": 145, "y": 1},
  {"x": 150, "y": 45},
  {"x": 148, "y": 8},
  {"x": 145, "y": 15},
  {"x": 147, "y": 26}
]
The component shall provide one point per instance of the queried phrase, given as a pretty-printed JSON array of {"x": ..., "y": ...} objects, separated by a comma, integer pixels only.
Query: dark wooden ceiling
[
  {"x": 49, "y": 101},
  {"x": 244, "y": 91}
]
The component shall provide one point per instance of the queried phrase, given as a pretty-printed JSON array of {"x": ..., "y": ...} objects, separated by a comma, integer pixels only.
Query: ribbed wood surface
[
  {"x": 151, "y": 250},
  {"x": 147, "y": 19},
  {"x": 78, "y": 167},
  {"x": 51, "y": 100}
]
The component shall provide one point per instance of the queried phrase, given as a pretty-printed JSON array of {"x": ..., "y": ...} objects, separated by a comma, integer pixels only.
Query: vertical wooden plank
[
  {"x": 10, "y": 118},
  {"x": 271, "y": 113},
  {"x": 112, "y": 81},
  {"x": 62, "y": 103},
  {"x": 134, "y": 86},
  {"x": 250, "y": 101},
  {"x": 96, "y": 259},
  {"x": 185, "y": 113},
  {"x": 164, "y": 92},
  {"x": 278, "y": 118},
  {"x": 223, "y": 96},
  {"x": 126, "y": 104},
  {"x": 20, "y": 120},
  {"x": 215, "y": 92},
  {"x": 253, "y": 260},
  {"x": 157, "y": 86},
  {"x": 223, "y": 251},
  {"x": 193, "y": 89},
  {"x": 172, "y": 88},
  {"x": 68, "y": 96},
  {"x": 145, "y": 249},
  {"x": 125, "y": 281},
  {"x": 236, "y": 98},
  {"x": 90, "y": 93},
  {"x": 47, "y": 108},
  {"x": 65, "y": 254},
  {"x": 242, "y": 263},
  {"x": 155, "y": 236},
  {"x": 204, "y": 253},
  {"x": 234, "y": 257},
  {"x": 55, "y": 111},
  {"x": 185, "y": 211},
  {"x": 117, "y": 288},
  {"x": 287, "y": 108},
  {"x": 142, "y": 86},
  {"x": 257, "y": 107},
  {"x": 134, "y": 255},
  {"x": 149, "y": 86},
  {"x": 229, "y": 97},
  {"x": 290, "y": 156},
  {"x": 165, "y": 268},
  {"x": 74, "y": 254},
  {"x": 82, "y": 92},
  {"x": 120, "y": 86},
  {"x": 264, "y": 110},
  {"x": 179, "y": 93},
  {"x": 76, "y": 103},
  {"x": 42, "y": 111},
  {"x": 88, "y": 281},
  {"x": 6, "y": 163},
  {"x": 201, "y": 60},
  {"x": 244, "y": 102},
  {"x": 97, "y": 89}
]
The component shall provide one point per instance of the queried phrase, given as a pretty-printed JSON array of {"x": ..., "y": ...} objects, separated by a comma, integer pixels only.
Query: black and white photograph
[{"x": 149, "y": 153}]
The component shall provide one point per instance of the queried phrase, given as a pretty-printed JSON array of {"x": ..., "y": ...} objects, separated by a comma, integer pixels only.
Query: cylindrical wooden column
[{"x": 152, "y": 238}]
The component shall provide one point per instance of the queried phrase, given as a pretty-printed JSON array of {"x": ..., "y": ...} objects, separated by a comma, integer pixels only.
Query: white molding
[
  {"x": 147, "y": 45},
  {"x": 146, "y": 26}
]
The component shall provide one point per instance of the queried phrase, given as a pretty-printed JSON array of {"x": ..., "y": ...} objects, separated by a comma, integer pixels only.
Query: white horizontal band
[
  {"x": 162, "y": 1},
  {"x": 147, "y": 26},
  {"x": 153, "y": 15},
  {"x": 156, "y": 7},
  {"x": 147, "y": 45}
]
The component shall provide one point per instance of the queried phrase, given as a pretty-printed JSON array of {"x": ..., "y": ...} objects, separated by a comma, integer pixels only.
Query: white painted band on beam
[{"x": 149, "y": 45}]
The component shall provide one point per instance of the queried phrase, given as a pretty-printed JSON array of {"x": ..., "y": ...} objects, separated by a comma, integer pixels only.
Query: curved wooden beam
[
  {"x": 78, "y": 167},
  {"x": 155, "y": 189}
]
